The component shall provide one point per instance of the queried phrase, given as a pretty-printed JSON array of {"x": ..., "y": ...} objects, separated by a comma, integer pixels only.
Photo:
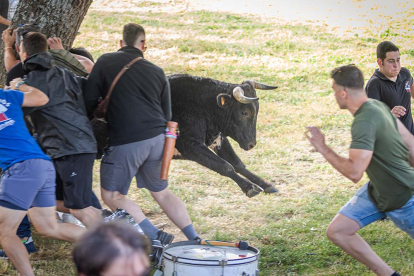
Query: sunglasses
[
  {"x": 27, "y": 24},
  {"x": 145, "y": 47}
]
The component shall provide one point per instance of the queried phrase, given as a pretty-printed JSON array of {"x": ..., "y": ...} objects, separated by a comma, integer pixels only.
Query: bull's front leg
[
  {"x": 226, "y": 151},
  {"x": 201, "y": 154}
]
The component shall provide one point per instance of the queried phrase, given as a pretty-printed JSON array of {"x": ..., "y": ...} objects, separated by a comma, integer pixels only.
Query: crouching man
[
  {"x": 384, "y": 148},
  {"x": 28, "y": 179}
]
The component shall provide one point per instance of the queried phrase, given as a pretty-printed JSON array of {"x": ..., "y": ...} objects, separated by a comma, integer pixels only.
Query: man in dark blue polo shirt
[{"x": 392, "y": 84}]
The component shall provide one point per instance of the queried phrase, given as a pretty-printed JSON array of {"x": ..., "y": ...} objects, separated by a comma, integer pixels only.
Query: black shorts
[{"x": 74, "y": 177}]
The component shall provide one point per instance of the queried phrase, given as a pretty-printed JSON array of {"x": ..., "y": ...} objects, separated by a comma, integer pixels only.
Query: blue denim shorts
[
  {"x": 362, "y": 210},
  {"x": 26, "y": 184}
]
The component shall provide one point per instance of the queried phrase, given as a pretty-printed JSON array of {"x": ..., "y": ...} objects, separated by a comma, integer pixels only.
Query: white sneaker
[
  {"x": 69, "y": 218},
  {"x": 59, "y": 217}
]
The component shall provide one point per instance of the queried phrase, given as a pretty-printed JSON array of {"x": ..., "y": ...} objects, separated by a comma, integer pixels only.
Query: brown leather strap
[{"x": 126, "y": 67}]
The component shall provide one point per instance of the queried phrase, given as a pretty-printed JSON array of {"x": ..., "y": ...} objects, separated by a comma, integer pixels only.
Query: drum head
[{"x": 194, "y": 253}]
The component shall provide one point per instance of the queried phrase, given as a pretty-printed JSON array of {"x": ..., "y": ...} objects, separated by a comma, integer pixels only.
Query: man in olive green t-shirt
[{"x": 384, "y": 148}]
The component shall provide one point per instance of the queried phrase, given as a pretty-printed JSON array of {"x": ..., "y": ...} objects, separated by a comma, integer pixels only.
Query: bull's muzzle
[{"x": 251, "y": 145}]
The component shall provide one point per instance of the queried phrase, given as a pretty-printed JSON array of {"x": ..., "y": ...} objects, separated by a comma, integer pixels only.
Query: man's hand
[
  {"x": 317, "y": 139},
  {"x": 55, "y": 43},
  {"x": 8, "y": 39},
  {"x": 14, "y": 82},
  {"x": 353, "y": 167},
  {"x": 398, "y": 111}
]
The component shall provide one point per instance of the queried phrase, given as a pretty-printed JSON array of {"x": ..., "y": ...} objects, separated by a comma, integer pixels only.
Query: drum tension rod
[{"x": 223, "y": 262}]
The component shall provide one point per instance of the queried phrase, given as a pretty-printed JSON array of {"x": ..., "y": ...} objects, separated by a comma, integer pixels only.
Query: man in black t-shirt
[{"x": 392, "y": 84}]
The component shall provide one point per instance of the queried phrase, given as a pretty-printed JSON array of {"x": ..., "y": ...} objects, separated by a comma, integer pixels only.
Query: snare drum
[{"x": 189, "y": 258}]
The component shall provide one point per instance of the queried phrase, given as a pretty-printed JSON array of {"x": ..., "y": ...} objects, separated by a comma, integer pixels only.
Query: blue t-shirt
[{"x": 16, "y": 143}]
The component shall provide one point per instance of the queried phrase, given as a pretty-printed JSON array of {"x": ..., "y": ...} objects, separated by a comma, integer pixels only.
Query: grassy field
[{"x": 289, "y": 227}]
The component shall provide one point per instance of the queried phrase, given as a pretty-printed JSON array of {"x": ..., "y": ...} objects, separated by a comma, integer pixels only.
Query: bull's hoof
[
  {"x": 271, "y": 190},
  {"x": 254, "y": 191}
]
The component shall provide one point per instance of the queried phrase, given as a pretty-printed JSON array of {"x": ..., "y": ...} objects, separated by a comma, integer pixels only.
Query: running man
[{"x": 28, "y": 181}]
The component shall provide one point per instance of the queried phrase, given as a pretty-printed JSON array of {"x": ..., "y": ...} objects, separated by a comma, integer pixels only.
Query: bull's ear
[{"x": 224, "y": 100}]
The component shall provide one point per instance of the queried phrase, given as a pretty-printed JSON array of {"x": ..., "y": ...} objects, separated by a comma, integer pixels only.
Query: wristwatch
[{"x": 18, "y": 85}]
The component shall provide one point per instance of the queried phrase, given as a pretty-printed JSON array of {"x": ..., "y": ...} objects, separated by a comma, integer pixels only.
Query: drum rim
[
  {"x": 214, "y": 265},
  {"x": 248, "y": 260}
]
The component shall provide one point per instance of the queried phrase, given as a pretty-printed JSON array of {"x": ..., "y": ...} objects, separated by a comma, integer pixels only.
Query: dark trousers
[{"x": 24, "y": 228}]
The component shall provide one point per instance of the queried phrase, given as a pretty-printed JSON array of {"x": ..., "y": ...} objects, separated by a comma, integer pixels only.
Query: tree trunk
[{"x": 61, "y": 18}]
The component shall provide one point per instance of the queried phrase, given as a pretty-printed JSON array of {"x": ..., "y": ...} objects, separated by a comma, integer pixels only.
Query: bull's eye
[{"x": 244, "y": 113}]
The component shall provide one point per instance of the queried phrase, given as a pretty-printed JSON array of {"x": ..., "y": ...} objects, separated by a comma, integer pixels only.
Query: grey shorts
[
  {"x": 141, "y": 159},
  {"x": 26, "y": 184}
]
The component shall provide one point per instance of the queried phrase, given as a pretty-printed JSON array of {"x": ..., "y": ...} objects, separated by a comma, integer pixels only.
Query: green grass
[{"x": 289, "y": 227}]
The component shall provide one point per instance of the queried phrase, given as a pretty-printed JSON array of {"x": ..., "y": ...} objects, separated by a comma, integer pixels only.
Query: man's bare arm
[
  {"x": 4, "y": 21},
  {"x": 33, "y": 97},
  {"x": 408, "y": 139},
  {"x": 352, "y": 168},
  {"x": 9, "y": 40},
  {"x": 86, "y": 62}
]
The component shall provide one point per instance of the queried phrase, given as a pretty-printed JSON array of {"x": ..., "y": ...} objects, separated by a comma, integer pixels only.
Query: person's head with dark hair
[
  {"x": 349, "y": 76},
  {"x": 348, "y": 84},
  {"x": 388, "y": 59},
  {"x": 32, "y": 43},
  {"x": 134, "y": 35},
  {"x": 80, "y": 51},
  {"x": 112, "y": 249},
  {"x": 384, "y": 47}
]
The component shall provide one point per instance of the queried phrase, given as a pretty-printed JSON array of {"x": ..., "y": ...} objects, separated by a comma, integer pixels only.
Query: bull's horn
[
  {"x": 238, "y": 94},
  {"x": 258, "y": 85}
]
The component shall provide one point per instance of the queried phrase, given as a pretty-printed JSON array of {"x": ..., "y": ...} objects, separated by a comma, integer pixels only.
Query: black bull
[{"x": 207, "y": 112}]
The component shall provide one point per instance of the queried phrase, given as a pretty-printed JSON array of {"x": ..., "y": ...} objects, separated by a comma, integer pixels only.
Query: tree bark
[{"x": 61, "y": 18}]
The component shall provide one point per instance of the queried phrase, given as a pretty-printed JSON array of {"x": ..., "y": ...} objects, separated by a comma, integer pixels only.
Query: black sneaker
[
  {"x": 165, "y": 238},
  {"x": 156, "y": 254},
  {"x": 29, "y": 244}
]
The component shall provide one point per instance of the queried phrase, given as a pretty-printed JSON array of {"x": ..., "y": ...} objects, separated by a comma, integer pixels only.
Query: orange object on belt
[{"x": 170, "y": 138}]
